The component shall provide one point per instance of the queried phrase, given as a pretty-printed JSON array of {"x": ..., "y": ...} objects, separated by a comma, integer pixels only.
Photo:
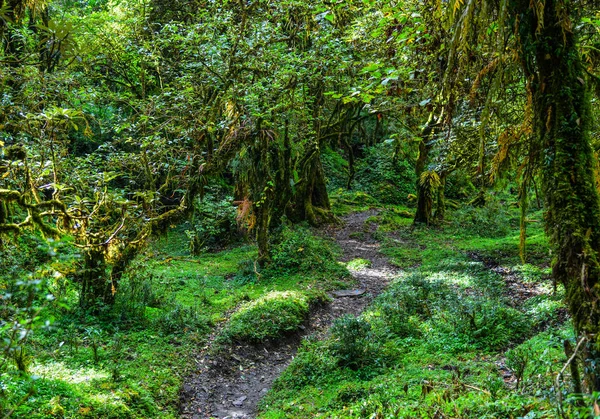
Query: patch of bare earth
[{"x": 231, "y": 382}]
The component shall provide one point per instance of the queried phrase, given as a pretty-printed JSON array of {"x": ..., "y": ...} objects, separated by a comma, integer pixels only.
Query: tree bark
[
  {"x": 311, "y": 200},
  {"x": 423, "y": 213},
  {"x": 440, "y": 210},
  {"x": 95, "y": 287},
  {"x": 562, "y": 118}
]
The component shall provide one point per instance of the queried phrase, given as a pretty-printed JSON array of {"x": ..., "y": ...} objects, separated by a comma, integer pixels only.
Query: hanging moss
[{"x": 553, "y": 66}]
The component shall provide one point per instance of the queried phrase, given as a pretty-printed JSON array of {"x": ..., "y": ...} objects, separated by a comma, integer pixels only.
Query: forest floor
[
  {"x": 433, "y": 322},
  {"x": 464, "y": 330},
  {"x": 230, "y": 381}
]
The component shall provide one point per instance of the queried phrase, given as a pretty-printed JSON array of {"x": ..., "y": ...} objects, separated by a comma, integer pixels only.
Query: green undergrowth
[
  {"x": 344, "y": 202},
  {"x": 432, "y": 343},
  {"x": 129, "y": 360},
  {"x": 101, "y": 373},
  {"x": 379, "y": 174}
]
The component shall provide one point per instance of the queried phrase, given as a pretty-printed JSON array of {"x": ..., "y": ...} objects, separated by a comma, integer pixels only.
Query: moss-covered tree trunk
[
  {"x": 440, "y": 210},
  {"x": 95, "y": 286},
  {"x": 311, "y": 200},
  {"x": 424, "y": 207},
  {"x": 263, "y": 223},
  {"x": 562, "y": 117}
]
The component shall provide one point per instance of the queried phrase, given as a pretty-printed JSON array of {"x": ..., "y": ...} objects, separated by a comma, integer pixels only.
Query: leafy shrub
[
  {"x": 535, "y": 362},
  {"x": 137, "y": 291},
  {"x": 517, "y": 360},
  {"x": 296, "y": 249},
  {"x": 313, "y": 364},
  {"x": 492, "y": 221},
  {"x": 336, "y": 169},
  {"x": 178, "y": 318},
  {"x": 213, "y": 224},
  {"x": 485, "y": 324},
  {"x": 268, "y": 317},
  {"x": 350, "y": 342},
  {"x": 458, "y": 185},
  {"x": 408, "y": 302},
  {"x": 350, "y": 392},
  {"x": 246, "y": 273}
]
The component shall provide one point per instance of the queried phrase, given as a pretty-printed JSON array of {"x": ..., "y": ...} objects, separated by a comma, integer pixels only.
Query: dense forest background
[{"x": 181, "y": 178}]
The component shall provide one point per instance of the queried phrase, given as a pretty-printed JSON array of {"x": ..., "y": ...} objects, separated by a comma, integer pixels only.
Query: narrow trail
[{"x": 229, "y": 384}]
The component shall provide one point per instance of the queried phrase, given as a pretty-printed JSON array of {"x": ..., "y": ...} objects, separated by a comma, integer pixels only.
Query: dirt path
[{"x": 231, "y": 383}]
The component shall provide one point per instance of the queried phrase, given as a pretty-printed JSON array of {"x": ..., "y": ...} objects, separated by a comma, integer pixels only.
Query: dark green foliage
[
  {"x": 459, "y": 186},
  {"x": 492, "y": 220},
  {"x": 116, "y": 115},
  {"x": 336, "y": 169},
  {"x": 143, "y": 290},
  {"x": 213, "y": 224},
  {"x": 138, "y": 290},
  {"x": 313, "y": 365},
  {"x": 297, "y": 249},
  {"x": 351, "y": 392},
  {"x": 454, "y": 321},
  {"x": 485, "y": 324},
  {"x": 351, "y": 342},
  {"x": 176, "y": 318},
  {"x": 388, "y": 180},
  {"x": 407, "y": 303},
  {"x": 247, "y": 271}
]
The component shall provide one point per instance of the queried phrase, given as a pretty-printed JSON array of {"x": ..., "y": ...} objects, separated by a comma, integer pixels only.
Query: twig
[
  {"x": 479, "y": 389},
  {"x": 115, "y": 233},
  {"x": 562, "y": 371}
]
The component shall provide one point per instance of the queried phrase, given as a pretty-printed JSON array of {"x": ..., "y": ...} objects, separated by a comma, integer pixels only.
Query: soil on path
[{"x": 229, "y": 384}]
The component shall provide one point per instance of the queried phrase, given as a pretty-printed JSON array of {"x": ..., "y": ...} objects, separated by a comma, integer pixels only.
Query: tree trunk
[
  {"x": 440, "y": 211},
  {"x": 423, "y": 213},
  {"x": 562, "y": 117},
  {"x": 311, "y": 200},
  {"x": 262, "y": 235},
  {"x": 95, "y": 287}
]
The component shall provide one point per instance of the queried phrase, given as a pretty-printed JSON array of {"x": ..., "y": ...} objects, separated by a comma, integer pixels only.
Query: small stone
[
  {"x": 348, "y": 293},
  {"x": 239, "y": 402}
]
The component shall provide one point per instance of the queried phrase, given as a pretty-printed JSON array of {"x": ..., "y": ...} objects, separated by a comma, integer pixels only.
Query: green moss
[
  {"x": 344, "y": 202},
  {"x": 267, "y": 317}
]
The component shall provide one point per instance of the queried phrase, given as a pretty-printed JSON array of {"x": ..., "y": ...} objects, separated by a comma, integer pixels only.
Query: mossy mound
[{"x": 268, "y": 317}]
